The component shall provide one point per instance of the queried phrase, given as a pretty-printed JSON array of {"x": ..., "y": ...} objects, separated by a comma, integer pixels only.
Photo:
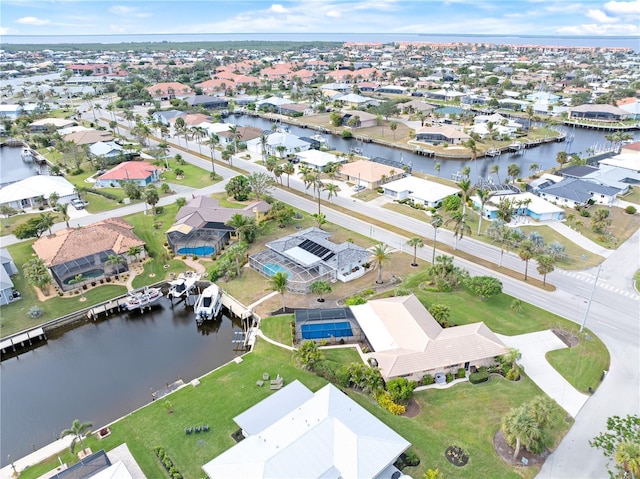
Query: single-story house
[
  {"x": 247, "y": 135},
  {"x": 87, "y": 136},
  {"x": 279, "y": 144},
  {"x": 140, "y": 172},
  {"x": 572, "y": 192},
  {"x": 353, "y": 99},
  {"x": 598, "y": 112},
  {"x": 441, "y": 134},
  {"x": 625, "y": 161},
  {"x": 318, "y": 159},
  {"x": 86, "y": 250},
  {"x": 408, "y": 342},
  {"x": 524, "y": 204},
  {"x": 443, "y": 95},
  {"x": 11, "y": 112},
  {"x": 272, "y": 103},
  {"x": 109, "y": 150},
  {"x": 392, "y": 89},
  {"x": 300, "y": 434},
  {"x": 201, "y": 228},
  {"x": 365, "y": 120},
  {"x": 631, "y": 149},
  {"x": 166, "y": 117},
  {"x": 23, "y": 194},
  {"x": 416, "y": 106},
  {"x": 170, "y": 90},
  {"x": 308, "y": 256},
  {"x": 208, "y": 102},
  {"x": 295, "y": 109},
  {"x": 424, "y": 192},
  {"x": 45, "y": 123},
  {"x": 369, "y": 174},
  {"x": 7, "y": 269}
]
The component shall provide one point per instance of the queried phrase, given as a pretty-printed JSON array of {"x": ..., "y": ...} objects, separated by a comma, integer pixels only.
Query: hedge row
[{"x": 166, "y": 461}]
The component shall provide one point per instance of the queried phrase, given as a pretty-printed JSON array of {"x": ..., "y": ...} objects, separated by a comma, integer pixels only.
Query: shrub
[
  {"x": 346, "y": 134},
  {"x": 384, "y": 399},
  {"x": 449, "y": 377},
  {"x": 585, "y": 213},
  {"x": 462, "y": 373},
  {"x": 479, "y": 377},
  {"x": 355, "y": 300},
  {"x": 428, "y": 379},
  {"x": 184, "y": 256},
  {"x": 194, "y": 257},
  {"x": 159, "y": 210},
  {"x": 35, "y": 312},
  {"x": 368, "y": 292},
  {"x": 630, "y": 210}
]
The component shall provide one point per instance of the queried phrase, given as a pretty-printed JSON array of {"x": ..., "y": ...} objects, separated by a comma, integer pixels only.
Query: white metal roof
[
  {"x": 34, "y": 186},
  {"x": 317, "y": 158},
  {"x": 422, "y": 189}
]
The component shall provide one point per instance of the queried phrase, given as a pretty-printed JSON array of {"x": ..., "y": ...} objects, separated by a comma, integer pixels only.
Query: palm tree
[
  {"x": 62, "y": 209},
  {"x": 320, "y": 288},
  {"x": 393, "y": 126},
  {"x": 264, "y": 142},
  {"x": 460, "y": 226},
  {"x": 79, "y": 280},
  {"x": 534, "y": 168},
  {"x": 484, "y": 195},
  {"x": 235, "y": 137},
  {"x": 521, "y": 426},
  {"x": 437, "y": 166},
  {"x": 77, "y": 430},
  {"x": 212, "y": 142},
  {"x": 545, "y": 266},
  {"x": 331, "y": 189},
  {"x": 530, "y": 115},
  {"x": 289, "y": 169},
  {"x": 465, "y": 189},
  {"x": 473, "y": 148},
  {"x": 495, "y": 170},
  {"x": 500, "y": 233},
  {"x": 381, "y": 255},
  {"x": 526, "y": 252},
  {"x": 45, "y": 222},
  {"x": 561, "y": 158},
  {"x": 152, "y": 197},
  {"x": 115, "y": 261},
  {"x": 513, "y": 170},
  {"x": 279, "y": 284},
  {"x": 415, "y": 242},
  {"x": 308, "y": 354},
  {"x": 53, "y": 199},
  {"x": 436, "y": 222},
  {"x": 134, "y": 251},
  {"x": 627, "y": 455}
]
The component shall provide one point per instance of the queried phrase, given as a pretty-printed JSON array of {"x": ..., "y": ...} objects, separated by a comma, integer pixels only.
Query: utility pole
[{"x": 593, "y": 290}]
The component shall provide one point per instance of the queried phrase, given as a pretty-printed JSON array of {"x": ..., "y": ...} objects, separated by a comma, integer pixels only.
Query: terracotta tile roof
[
  {"x": 73, "y": 243},
  {"x": 368, "y": 171},
  {"x": 129, "y": 170}
]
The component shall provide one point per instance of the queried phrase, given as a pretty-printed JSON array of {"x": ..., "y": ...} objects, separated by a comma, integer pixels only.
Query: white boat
[
  {"x": 182, "y": 285},
  {"x": 142, "y": 299},
  {"x": 516, "y": 147},
  {"x": 209, "y": 303},
  {"x": 26, "y": 154}
]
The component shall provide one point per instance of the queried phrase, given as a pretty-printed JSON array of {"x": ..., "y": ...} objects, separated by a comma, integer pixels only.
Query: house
[
  {"x": 631, "y": 149},
  {"x": 423, "y": 192},
  {"x": 170, "y": 90},
  {"x": 25, "y": 194},
  {"x": 354, "y": 100},
  {"x": 50, "y": 123},
  {"x": 598, "y": 112},
  {"x": 208, "y": 102},
  {"x": 362, "y": 119},
  {"x": 109, "y": 150},
  {"x": 523, "y": 204},
  {"x": 308, "y": 256},
  {"x": 272, "y": 103},
  {"x": 572, "y": 192},
  {"x": 392, "y": 89},
  {"x": 407, "y": 342},
  {"x": 631, "y": 106},
  {"x": 296, "y": 433},
  {"x": 441, "y": 134},
  {"x": 86, "y": 250},
  {"x": 295, "y": 109},
  {"x": 12, "y": 112},
  {"x": 279, "y": 144},
  {"x": 201, "y": 228},
  {"x": 246, "y": 134},
  {"x": 95, "y": 69},
  {"x": 416, "y": 106},
  {"x": 140, "y": 172},
  {"x": 317, "y": 159},
  {"x": 87, "y": 136},
  {"x": 166, "y": 117},
  {"x": 369, "y": 174},
  {"x": 7, "y": 269}
]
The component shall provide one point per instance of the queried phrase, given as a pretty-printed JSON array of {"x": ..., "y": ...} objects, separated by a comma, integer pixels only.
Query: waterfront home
[
  {"x": 50, "y": 124},
  {"x": 278, "y": 144},
  {"x": 110, "y": 151},
  {"x": 297, "y": 433},
  {"x": 10, "y": 112},
  {"x": 631, "y": 106},
  {"x": 7, "y": 269},
  {"x": 416, "y": 106},
  {"x": 572, "y": 192},
  {"x": 88, "y": 136},
  {"x": 139, "y": 172},
  {"x": 523, "y": 204},
  {"x": 33, "y": 192},
  {"x": 422, "y": 192},
  {"x": 308, "y": 256},
  {"x": 406, "y": 341},
  {"x": 208, "y": 102},
  {"x": 355, "y": 100},
  {"x": 170, "y": 90},
  {"x": 441, "y": 134},
  {"x": 598, "y": 112},
  {"x": 86, "y": 251},
  {"x": 318, "y": 159},
  {"x": 201, "y": 229},
  {"x": 363, "y": 119},
  {"x": 369, "y": 174},
  {"x": 167, "y": 117},
  {"x": 246, "y": 134}
]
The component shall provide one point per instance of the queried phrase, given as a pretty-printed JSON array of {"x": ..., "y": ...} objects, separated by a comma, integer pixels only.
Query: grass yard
[
  {"x": 366, "y": 195},
  {"x": 229, "y": 202},
  {"x": 9, "y": 225},
  {"x": 636, "y": 277},
  {"x": 465, "y": 415},
  {"x": 622, "y": 226},
  {"x": 633, "y": 196},
  {"x": 194, "y": 176},
  {"x": 278, "y": 328},
  {"x": 582, "y": 365}
]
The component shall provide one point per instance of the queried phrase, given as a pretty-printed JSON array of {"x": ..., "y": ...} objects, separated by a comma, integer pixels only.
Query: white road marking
[{"x": 605, "y": 324}]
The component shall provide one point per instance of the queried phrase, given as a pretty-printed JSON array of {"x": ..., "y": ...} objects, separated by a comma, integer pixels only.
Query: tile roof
[
  {"x": 72, "y": 243},
  {"x": 129, "y": 170},
  {"x": 204, "y": 209},
  {"x": 368, "y": 171}
]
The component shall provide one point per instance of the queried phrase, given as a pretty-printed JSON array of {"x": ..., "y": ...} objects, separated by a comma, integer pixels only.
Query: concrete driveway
[{"x": 533, "y": 347}]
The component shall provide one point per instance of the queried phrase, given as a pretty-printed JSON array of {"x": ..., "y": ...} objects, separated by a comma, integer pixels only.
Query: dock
[
  {"x": 169, "y": 388},
  {"x": 110, "y": 307},
  {"x": 21, "y": 340}
]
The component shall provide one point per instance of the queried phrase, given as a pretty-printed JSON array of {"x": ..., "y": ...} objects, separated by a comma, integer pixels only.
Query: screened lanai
[
  {"x": 186, "y": 240},
  {"x": 91, "y": 267}
]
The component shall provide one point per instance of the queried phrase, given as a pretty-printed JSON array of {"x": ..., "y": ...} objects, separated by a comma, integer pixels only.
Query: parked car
[
  {"x": 78, "y": 204},
  {"x": 359, "y": 188}
]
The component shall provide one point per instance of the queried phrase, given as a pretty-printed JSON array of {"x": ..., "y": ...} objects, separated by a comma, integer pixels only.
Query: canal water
[
  {"x": 544, "y": 155},
  {"x": 13, "y": 169},
  {"x": 101, "y": 371}
]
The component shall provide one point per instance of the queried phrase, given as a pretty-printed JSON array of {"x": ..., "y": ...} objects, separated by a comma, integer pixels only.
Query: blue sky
[{"x": 531, "y": 17}]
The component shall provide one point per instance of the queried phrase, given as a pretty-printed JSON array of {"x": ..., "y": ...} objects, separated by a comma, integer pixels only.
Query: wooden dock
[
  {"x": 21, "y": 340},
  {"x": 110, "y": 307}
]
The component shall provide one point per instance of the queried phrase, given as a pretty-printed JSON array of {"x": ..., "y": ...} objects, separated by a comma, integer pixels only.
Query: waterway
[
  {"x": 13, "y": 169},
  {"x": 101, "y": 371},
  {"x": 544, "y": 155}
]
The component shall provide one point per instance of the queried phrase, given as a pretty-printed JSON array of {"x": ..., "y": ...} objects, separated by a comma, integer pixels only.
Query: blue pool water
[
  {"x": 335, "y": 329},
  {"x": 199, "y": 251},
  {"x": 271, "y": 269},
  {"x": 87, "y": 275}
]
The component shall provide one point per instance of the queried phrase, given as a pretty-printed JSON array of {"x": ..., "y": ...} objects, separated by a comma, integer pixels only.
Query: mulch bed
[
  {"x": 413, "y": 409},
  {"x": 456, "y": 456},
  {"x": 505, "y": 451},
  {"x": 567, "y": 337}
]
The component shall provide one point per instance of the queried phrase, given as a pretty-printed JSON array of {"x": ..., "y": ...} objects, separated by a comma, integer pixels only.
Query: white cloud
[
  {"x": 125, "y": 11},
  {"x": 33, "y": 21},
  {"x": 277, "y": 8},
  {"x": 566, "y": 8},
  {"x": 623, "y": 8},
  {"x": 4, "y": 31},
  {"x": 117, "y": 29},
  {"x": 333, "y": 14},
  {"x": 596, "y": 29},
  {"x": 600, "y": 17}
]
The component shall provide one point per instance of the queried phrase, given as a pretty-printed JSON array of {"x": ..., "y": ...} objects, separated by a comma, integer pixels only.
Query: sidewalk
[
  {"x": 36, "y": 457},
  {"x": 579, "y": 239}
]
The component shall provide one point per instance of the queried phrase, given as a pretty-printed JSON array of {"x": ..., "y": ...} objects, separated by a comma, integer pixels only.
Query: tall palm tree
[
  {"x": 473, "y": 148},
  {"x": 235, "y": 137},
  {"x": 77, "y": 430},
  {"x": 289, "y": 169},
  {"x": 495, "y": 170},
  {"x": 381, "y": 255},
  {"x": 415, "y": 242},
  {"x": 79, "y": 279},
  {"x": 484, "y": 195},
  {"x": 115, "y": 261},
  {"x": 331, "y": 189},
  {"x": 545, "y": 266},
  {"x": 198, "y": 133},
  {"x": 63, "y": 208},
  {"x": 526, "y": 252},
  {"x": 212, "y": 142},
  {"x": 436, "y": 222},
  {"x": 264, "y": 142},
  {"x": 627, "y": 455},
  {"x": 279, "y": 284},
  {"x": 460, "y": 226},
  {"x": 152, "y": 197},
  {"x": 465, "y": 189}
]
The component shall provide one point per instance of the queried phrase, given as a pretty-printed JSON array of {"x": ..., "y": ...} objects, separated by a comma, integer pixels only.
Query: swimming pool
[
  {"x": 271, "y": 269},
  {"x": 199, "y": 251},
  {"x": 86, "y": 276},
  {"x": 326, "y": 330}
]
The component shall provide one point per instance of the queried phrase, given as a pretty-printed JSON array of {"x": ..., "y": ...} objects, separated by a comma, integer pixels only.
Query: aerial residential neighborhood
[{"x": 342, "y": 256}]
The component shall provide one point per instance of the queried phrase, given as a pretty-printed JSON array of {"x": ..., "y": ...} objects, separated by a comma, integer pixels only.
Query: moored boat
[
  {"x": 182, "y": 285},
  {"x": 209, "y": 303},
  {"x": 142, "y": 299},
  {"x": 26, "y": 154}
]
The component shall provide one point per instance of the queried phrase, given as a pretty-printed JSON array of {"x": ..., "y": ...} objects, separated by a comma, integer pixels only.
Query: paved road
[{"x": 614, "y": 313}]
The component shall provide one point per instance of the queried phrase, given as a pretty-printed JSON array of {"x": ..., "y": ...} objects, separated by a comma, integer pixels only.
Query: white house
[
  {"x": 279, "y": 144},
  {"x": 22, "y": 194},
  {"x": 526, "y": 204},
  {"x": 106, "y": 149},
  {"x": 295, "y": 433},
  {"x": 424, "y": 192},
  {"x": 7, "y": 269},
  {"x": 572, "y": 192},
  {"x": 317, "y": 159}
]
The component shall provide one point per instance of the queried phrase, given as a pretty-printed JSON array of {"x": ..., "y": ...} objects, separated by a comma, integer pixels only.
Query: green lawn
[
  {"x": 633, "y": 196},
  {"x": 581, "y": 365},
  {"x": 465, "y": 415},
  {"x": 278, "y": 328},
  {"x": 8, "y": 225},
  {"x": 194, "y": 176},
  {"x": 636, "y": 277},
  {"x": 223, "y": 198}
]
